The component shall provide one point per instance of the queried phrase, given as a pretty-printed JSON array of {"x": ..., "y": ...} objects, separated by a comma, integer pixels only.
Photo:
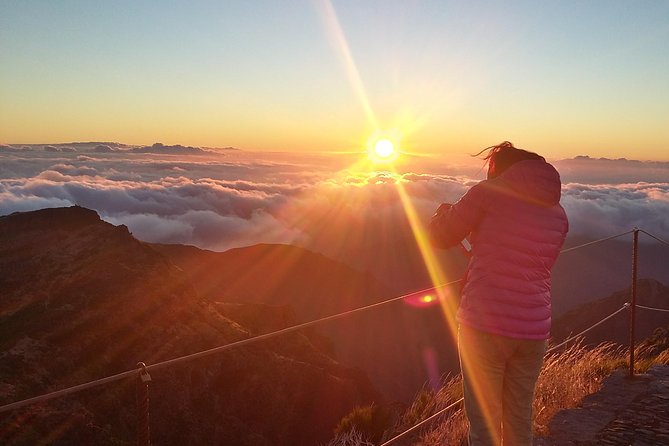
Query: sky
[{"x": 561, "y": 78}]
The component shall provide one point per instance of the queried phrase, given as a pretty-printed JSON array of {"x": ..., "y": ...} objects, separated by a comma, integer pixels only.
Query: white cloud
[
  {"x": 239, "y": 199},
  {"x": 611, "y": 171},
  {"x": 599, "y": 210}
]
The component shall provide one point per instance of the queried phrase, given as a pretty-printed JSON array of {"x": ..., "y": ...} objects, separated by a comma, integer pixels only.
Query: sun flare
[{"x": 383, "y": 149}]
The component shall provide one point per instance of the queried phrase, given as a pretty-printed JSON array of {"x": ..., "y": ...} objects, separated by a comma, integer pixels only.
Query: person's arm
[{"x": 452, "y": 223}]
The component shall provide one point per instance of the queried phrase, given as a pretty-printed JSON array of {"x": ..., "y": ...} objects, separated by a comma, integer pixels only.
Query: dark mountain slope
[
  {"x": 81, "y": 299},
  {"x": 399, "y": 346},
  {"x": 312, "y": 284},
  {"x": 589, "y": 273},
  {"x": 650, "y": 293}
]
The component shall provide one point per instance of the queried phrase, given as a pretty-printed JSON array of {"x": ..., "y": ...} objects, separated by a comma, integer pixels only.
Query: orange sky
[{"x": 564, "y": 79}]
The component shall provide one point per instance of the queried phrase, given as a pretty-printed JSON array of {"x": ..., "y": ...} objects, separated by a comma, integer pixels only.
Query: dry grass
[
  {"x": 449, "y": 428},
  {"x": 569, "y": 375},
  {"x": 453, "y": 431},
  {"x": 350, "y": 438},
  {"x": 566, "y": 377}
]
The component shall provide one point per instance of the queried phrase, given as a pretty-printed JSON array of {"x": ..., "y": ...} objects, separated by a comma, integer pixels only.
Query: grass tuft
[{"x": 565, "y": 379}]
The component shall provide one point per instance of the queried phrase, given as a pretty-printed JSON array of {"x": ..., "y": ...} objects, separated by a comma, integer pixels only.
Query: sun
[{"x": 383, "y": 149}]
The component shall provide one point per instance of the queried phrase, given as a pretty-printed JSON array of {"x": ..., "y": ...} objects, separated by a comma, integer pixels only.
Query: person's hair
[{"x": 504, "y": 155}]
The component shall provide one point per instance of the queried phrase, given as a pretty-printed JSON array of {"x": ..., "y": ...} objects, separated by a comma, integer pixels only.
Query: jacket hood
[{"x": 534, "y": 180}]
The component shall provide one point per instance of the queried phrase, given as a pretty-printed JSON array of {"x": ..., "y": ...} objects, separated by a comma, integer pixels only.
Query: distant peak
[
  {"x": 160, "y": 148},
  {"x": 69, "y": 217}
]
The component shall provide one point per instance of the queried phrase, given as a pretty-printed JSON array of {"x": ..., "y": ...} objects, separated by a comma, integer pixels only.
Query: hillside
[
  {"x": 596, "y": 271},
  {"x": 312, "y": 284},
  {"x": 399, "y": 346},
  {"x": 650, "y": 293},
  {"x": 82, "y": 299}
]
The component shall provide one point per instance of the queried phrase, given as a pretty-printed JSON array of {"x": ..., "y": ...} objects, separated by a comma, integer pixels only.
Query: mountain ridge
[
  {"x": 399, "y": 345},
  {"x": 86, "y": 300},
  {"x": 650, "y": 293}
]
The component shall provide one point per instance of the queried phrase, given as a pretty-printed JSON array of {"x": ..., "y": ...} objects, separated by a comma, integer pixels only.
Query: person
[{"x": 516, "y": 227}]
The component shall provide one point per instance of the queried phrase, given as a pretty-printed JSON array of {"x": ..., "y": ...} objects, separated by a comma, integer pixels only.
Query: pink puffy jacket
[{"x": 517, "y": 228}]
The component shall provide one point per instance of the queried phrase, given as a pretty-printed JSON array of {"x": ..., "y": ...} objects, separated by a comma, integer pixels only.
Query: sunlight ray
[
  {"x": 436, "y": 273},
  {"x": 338, "y": 38},
  {"x": 448, "y": 302}
]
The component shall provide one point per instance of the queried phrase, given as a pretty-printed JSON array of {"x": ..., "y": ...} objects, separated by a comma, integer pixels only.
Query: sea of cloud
[{"x": 328, "y": 202}]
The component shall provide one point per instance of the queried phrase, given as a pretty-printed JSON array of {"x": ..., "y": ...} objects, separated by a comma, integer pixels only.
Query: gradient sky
[{"x": 563, "y": 78}]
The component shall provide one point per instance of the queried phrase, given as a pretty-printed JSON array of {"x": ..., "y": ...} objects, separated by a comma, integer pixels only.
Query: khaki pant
[{"x": 499, "y": 376}]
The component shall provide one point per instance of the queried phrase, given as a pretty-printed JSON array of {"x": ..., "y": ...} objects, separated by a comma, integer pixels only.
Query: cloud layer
[{"x": 220, "y": 201}]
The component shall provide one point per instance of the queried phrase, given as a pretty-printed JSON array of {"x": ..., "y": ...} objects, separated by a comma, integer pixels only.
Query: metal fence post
[
  {"x": 635, "y": 258},
  {"x": 143, "y": 430}
]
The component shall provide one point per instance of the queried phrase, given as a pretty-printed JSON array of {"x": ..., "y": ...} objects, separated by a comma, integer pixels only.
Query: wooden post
[
  {"x": 635, "y": 258},
  {"x": 143, "y": 429}
]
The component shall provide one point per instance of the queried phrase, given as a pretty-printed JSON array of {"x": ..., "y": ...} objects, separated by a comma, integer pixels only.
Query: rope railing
[
  {"x": 553, "y": 348},
  {"x": 415, "y": 427},
  {"x": 293, "y": 328},
  {"x": 655, "y": 237},
  {"x": 594, "y": 242},
  {"x": 67, "y": 391},
  {"x": 211, "y": 351},
  {"x": 455, "y": 403},
  {"x": 144, "y": 369},
  {"x": 576, "y": 336},
  {"x": 665, "y": 310}
]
